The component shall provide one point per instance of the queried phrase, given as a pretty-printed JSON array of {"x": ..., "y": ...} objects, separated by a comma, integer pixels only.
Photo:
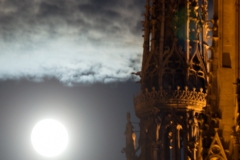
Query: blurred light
[{"x": 49, "y": 138}]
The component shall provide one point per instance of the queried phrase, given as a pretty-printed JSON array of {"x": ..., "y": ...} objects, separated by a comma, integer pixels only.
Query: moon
[{"x": 49, "y": 138}]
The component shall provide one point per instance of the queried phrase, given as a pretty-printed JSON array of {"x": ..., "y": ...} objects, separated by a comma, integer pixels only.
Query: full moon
[{"x": 49, "y": 138}]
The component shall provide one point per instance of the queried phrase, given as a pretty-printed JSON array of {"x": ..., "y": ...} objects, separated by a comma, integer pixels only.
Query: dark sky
[
  {"x": 95, "y": 117},
  {"x": 72, "y": 40},
  {"x": 70, "y": 60}
]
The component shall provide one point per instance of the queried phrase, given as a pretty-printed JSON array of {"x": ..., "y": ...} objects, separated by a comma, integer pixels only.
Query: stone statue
[
  {"x": 158, "y": 127},
  {"x": 195, "y": 127},
  {"x": 130, "y": 148},
  {"x": 129, "y": 131}
]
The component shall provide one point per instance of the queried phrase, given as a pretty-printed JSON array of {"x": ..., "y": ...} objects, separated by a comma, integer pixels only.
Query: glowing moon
[{"x": 49, "y": 138}]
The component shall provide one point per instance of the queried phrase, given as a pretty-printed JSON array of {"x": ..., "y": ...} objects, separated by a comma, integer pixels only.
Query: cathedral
[{"x": 189, "y": 103}]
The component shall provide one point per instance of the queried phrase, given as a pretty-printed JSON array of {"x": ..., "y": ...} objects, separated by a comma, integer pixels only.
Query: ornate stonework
[
  {"x": 188, "y": 106},
  {"x": 180, "y": 99}
]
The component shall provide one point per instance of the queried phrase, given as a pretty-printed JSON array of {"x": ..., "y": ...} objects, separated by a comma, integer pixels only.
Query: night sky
[{"x": 70, "y": 60}]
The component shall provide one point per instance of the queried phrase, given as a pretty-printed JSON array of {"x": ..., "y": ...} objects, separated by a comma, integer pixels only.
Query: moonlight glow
[{"x": 49, "y": 138}]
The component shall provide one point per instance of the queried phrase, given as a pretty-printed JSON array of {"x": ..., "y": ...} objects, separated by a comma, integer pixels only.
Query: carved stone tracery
[
  {"x": 164, "y": 98},
  {"x": 173, "y": 79}
]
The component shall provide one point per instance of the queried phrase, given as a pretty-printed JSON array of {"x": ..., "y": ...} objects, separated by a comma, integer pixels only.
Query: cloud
[{"x": 74, "y": 41}]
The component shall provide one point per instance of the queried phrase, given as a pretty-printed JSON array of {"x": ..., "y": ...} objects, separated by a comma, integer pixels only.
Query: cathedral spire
[
  {"x": 173, "y": 80},
  {"x": 173, "y": 54},
  {"x": 188, "y": 106}
]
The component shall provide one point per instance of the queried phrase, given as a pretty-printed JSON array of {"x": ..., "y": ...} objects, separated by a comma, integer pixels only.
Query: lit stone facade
[{"x": 189, "y": 103}]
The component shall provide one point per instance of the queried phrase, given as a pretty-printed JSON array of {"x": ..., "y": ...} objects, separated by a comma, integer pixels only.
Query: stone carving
[
  {"x": 130, "y": 139},
  {"x": 158, "y": 127},
  {"x": 173, "y": 96},
  {"x": 179, "y": 127},
  {"x": 129, "y": 131},
  {"x": 174, "y": 56},
  {"x": 216, "y": 150},
  {"x": 194, "y": 127}
]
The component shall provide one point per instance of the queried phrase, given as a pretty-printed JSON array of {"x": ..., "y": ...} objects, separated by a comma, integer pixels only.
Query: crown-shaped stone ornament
[{"x": 165, "y": 98}]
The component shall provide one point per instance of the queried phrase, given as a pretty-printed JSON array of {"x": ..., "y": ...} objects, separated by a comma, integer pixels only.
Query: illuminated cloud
[{"x": 74, "y": 41}]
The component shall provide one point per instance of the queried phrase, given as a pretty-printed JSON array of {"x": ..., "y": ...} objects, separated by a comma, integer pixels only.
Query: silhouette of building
[{"x": 189, "y": 101}]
